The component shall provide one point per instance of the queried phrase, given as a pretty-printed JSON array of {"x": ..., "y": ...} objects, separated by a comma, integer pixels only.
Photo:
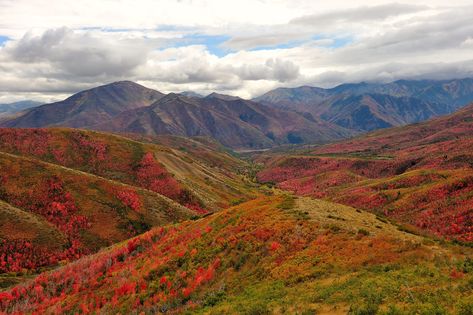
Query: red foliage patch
[
  {"x": 54, "y": 203},
  {"x": 129, "y": 198}
]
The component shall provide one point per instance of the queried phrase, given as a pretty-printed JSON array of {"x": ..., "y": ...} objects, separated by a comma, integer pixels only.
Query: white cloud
[{"x": 59, "y": 47}]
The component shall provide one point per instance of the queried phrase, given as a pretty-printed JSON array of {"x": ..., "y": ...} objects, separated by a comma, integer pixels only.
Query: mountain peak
[
  {"x": 173, "y": 96},
  {"x": 191, "y": 94},
  {"x": 89, "y": 107},
  {"x": 125, "y": 84},
  {"x": 222, "y": 96}
]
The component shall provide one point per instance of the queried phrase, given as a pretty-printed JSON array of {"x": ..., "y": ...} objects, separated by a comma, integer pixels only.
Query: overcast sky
[{"x": 51, "y": 49}]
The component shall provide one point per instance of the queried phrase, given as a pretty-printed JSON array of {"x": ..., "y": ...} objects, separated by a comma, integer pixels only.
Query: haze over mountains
[
  {"x": 281, "y": 116},
  {"x": 15, "y": 107}
]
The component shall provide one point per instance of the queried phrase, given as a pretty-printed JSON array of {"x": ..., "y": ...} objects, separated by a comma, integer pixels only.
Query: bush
[
  {"x": 465, "y": 308},
  {"x": 288, "y": 203},
  {"x": 257, "y": 308},
  {"x": 369, "y": 308}
]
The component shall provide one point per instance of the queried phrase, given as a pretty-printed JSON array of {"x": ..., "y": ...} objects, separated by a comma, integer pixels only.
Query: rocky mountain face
[
  {"x": 234, "y": 122},
  {"x": 366, "y": 107}
]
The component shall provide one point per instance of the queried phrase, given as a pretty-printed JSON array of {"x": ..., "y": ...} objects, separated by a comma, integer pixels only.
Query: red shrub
[{"x": 130, "y": 199}]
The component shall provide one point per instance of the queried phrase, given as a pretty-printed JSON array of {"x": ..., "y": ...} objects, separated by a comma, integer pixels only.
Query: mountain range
[
  {"x": 16, "y": 107},
  {"x": 89, "y": 107},
  {"x": 370, "y": 106},
  {"x": 234, "y": 122},
  {"x": 283, "y": 116},
  {"x": 129, "y": 107}
]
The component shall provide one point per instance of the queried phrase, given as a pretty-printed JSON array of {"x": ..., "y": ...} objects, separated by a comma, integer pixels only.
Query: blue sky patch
[
  {"x": 337, "y": 42},
  {"x": 287, "y": 45},
  {"x": 212, "y": 42},
  {"x": 3, "y": 39},
  {"x": 341, "y": 42}
]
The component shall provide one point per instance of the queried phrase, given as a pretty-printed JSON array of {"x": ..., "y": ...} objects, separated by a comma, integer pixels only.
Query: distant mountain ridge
[
  {"x": 282, "y": 116},
  {"x": 11, "y": 108},
  {"x": 234, "y": 122},
  {"x": 89, "y": 107},
  {"x": 129, "y": 107},
  {"x": 369, "y": 106}
]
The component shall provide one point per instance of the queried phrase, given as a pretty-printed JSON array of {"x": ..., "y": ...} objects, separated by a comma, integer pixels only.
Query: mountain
[
  {"x": 420, "y": 174},
  {"x": 368, "y": 112},
  {"x": 191, "y": 94},
  {"x": 234, "y": 122},
  {"x": 370, "y": 106},
  {"x": 88, "y": 107},
  {"x": 97, "y": 223},
  {"x": 16, "y": 107},
  {"x": 126, "y": 107}
]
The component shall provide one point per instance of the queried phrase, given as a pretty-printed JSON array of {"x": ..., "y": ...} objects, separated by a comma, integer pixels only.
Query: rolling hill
[
  {"x": 64, "y": 193},
  {"x": 271, "y": 255},
  {"x": 370, "y": 106},
  {"x": 419, "y": 174}
]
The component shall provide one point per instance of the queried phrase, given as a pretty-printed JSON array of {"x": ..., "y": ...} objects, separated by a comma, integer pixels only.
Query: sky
[{"x": 52, "y": 49}]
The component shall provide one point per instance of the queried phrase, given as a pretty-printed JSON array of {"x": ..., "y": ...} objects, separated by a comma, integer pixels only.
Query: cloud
[
  {"x": 333, "y": 23},
  {"x": 81, "y": 54},
  {"x": 397, "y": 70},
  {"x": 195, "y": 64},
  {"x": 359, "y": 14},
  {"x": 227, "y": 46}
]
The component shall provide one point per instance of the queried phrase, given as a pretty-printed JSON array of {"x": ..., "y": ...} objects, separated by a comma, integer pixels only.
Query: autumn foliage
[
  {"x": 186, "y": 267},
  {"x": 88, "y": 212},
  {"x": 95, "y": 154},
  {"x": 418, "y": 174},
  {"x": 51, "y": 201}
]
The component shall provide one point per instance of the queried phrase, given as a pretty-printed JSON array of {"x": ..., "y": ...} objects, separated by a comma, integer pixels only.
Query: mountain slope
[
  {"x": 234, "y": 122},
  {"x": 17, "y": 225},
  {"x": 88, "y": 107},
  {"x": 84, "y": 211},
  {"x": 367, "y": 106},
  {"x": 271, "y": 255},
  {"x": 66, "y": 193},
  {"x": 420, "y": 174},
  {"x": 178, "y": 174},
  {"x": 368, "y": 112}
]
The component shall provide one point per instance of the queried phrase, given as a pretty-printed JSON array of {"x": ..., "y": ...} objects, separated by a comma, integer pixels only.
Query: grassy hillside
[
  {"x": 273, "y": 254},
  {"x": 67, "y": 193},
  {"x": 16, "y": 224},
  {"x": 421, "y": 175},
  {"x": 84, "y": 211},
  {"x": 181, "y": 175}
]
